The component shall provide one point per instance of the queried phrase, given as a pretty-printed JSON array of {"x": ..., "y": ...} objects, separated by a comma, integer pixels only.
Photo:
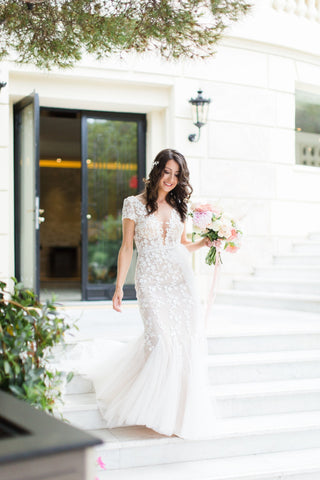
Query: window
[{"x": 307, "y": 129}]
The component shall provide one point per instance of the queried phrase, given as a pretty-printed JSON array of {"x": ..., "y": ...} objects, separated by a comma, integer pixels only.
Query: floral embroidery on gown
[{"x": 160, "y": 380}]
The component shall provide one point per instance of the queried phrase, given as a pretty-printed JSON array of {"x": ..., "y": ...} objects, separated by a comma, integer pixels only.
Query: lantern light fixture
[
  {"x": 2, "y": 85},
  {"x": 200, "y": 108}
]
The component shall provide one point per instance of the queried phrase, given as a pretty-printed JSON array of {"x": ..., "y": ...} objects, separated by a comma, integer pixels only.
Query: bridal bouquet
[{"x": 219, "y": 227}]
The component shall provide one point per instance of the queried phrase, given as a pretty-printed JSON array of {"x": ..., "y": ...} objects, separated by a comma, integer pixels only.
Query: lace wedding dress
[{"x": 160, "y": 380}]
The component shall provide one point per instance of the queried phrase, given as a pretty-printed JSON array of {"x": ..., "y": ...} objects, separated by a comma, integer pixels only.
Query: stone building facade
[{"x": 249, "y": 159}]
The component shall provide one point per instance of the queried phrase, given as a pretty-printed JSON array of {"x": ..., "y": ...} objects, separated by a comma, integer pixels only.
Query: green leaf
[
  {"x": 7, "y": 369},
  {"x": 25, "y": 338},
  {"x": 70, "y": 376},
  {"x": 18, "y": 391}
]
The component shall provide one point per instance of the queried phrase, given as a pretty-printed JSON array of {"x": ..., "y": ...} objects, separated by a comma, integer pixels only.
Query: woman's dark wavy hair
[{"x": 179, "y": 196}]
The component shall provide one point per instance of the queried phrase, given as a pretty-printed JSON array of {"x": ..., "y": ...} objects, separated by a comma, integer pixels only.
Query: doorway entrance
[
  {"x": 83, "y": 164},
  {"x": 60, "y": 200}
]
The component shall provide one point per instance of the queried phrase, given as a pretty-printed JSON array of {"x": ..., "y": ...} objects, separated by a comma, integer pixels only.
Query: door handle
[{"x": 41, "y": 218}]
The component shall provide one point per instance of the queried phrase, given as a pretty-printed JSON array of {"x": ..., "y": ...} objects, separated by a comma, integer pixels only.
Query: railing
[{"x": 303, "y": 8}]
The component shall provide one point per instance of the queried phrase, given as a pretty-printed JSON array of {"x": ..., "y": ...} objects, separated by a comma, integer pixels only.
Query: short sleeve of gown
[{"x": 128, "y": 210}]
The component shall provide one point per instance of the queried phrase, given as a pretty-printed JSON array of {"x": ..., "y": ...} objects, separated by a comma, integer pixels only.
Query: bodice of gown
[
  {"x": 164, "y": 278},
  {"x": 150, "y": 232}
]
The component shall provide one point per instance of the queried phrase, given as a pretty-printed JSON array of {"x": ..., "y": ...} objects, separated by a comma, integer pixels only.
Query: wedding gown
[{"x": 160, "y": 380}]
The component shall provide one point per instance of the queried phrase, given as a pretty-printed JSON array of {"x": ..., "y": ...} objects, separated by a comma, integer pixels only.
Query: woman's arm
[
  {"x": 124, "y": 260},
  {"x": 193, "y": 246}
]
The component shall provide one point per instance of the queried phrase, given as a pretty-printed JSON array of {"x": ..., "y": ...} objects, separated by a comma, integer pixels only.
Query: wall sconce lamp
[
  {"x": 2, "y": 85},
  {"x": 200, "y": 107}
]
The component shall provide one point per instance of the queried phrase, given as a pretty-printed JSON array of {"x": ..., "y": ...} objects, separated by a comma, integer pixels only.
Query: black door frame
[
  {"x": 105, "y": 291},
  {"x": 17, "y": 109}
]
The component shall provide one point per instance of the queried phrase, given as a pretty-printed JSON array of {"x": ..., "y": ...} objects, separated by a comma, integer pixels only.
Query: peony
[
  {"x": 231, "y": 248},
  {"x": 202, "y": 219},
  {"x": 233, "y": 235}
]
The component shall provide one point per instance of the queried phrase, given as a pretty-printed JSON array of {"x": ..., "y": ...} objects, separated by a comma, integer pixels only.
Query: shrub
[{"x": 28, "y": 331}]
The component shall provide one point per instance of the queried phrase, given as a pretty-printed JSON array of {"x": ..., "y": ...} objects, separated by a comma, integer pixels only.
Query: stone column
[{"x": 6, "y": 190}]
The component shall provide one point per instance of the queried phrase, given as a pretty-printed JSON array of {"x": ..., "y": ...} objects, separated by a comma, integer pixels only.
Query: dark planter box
[{"x": 36, "y": 446}]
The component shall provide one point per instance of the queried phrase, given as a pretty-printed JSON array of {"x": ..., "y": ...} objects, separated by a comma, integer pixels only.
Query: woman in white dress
[{"x": 161, "y": 379}]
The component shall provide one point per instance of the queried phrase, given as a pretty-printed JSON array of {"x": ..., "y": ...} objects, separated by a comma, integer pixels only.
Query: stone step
[
  {"x": 263, "y": 367},
  {"x": 268, "y": 342},
  {"x": 286, "y": 301},
  {"x": 297, "y": 259},
  {"x": 79, "y": 384},
  {"x": 128, "y": 447},
  {"x": 231, "y": 329},
  {"x": 234, "y": 400},
  {"x": 310, "y": 246},
  {"x": 288, "y": 285},
  {"x": 305, "y": 272},
  {"x": 245, "y": 368},
  {"x": 244, "y": 400},
  {"x": 314, "y": 236},
  {"x": 225, "y": 320},
  {"x": 234, "y": 343},
  {"x": 302, "y": 465}
]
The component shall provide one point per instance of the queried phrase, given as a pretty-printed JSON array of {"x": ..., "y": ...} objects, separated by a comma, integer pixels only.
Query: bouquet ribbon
[{"x": 213, "y": 289}]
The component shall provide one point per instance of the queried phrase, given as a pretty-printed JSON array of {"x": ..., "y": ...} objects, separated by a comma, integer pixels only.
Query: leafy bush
[{"x": 28, "y": 331}]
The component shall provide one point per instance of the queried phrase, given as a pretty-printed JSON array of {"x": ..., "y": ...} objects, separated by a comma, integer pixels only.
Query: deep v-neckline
[{"x": 163, "y": 229}]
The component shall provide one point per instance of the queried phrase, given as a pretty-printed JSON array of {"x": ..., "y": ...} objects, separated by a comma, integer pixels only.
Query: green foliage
[
  {"x": 104, "y": 244},
  {"x": 28, "y": 331},
  {"x": 58, "y": 32}
]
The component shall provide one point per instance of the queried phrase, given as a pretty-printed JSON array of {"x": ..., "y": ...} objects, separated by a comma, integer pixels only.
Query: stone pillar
[{"x": 6, "y": 190}]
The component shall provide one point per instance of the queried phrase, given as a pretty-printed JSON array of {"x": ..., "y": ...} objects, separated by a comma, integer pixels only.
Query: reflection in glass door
[
  {"x": 27, "y": 208},
  {"x": 113, "y": 168}
]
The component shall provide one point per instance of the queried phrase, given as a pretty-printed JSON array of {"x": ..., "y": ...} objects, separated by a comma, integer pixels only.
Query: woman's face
[{"x": 170, "y": 176}]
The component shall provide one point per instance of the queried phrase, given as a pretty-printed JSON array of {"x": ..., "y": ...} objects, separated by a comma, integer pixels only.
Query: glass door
[
  {"x": 113, "y": 165},
  {"x": 27, "y": 209}
]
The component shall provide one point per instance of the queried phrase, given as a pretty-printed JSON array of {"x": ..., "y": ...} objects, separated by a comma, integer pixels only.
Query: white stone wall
[{"x": 245, "y": 159}]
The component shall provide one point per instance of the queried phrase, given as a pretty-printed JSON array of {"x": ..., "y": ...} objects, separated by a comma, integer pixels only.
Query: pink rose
[{"x": 206, "y": 207}]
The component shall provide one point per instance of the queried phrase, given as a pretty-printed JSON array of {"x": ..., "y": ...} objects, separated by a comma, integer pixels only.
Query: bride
[{"x": 160, "y": 379}]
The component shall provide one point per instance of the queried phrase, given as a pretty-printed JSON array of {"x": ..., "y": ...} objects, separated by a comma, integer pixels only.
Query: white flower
[
  {"x": 216, "y": 225},
  {"x": 224, "y": 231}
]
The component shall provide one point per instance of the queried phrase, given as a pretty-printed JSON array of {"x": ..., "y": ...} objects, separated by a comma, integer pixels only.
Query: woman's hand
[
  {"x": 117, "y": 299},
  {"x": 205, "y": 242},
  {"x": 193, "y": 246}
]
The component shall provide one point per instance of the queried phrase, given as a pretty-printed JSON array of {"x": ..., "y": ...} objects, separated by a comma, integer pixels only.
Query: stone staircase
[
  {"x": 264, "y": 367},
  {"x": 291, "y": 282}
]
